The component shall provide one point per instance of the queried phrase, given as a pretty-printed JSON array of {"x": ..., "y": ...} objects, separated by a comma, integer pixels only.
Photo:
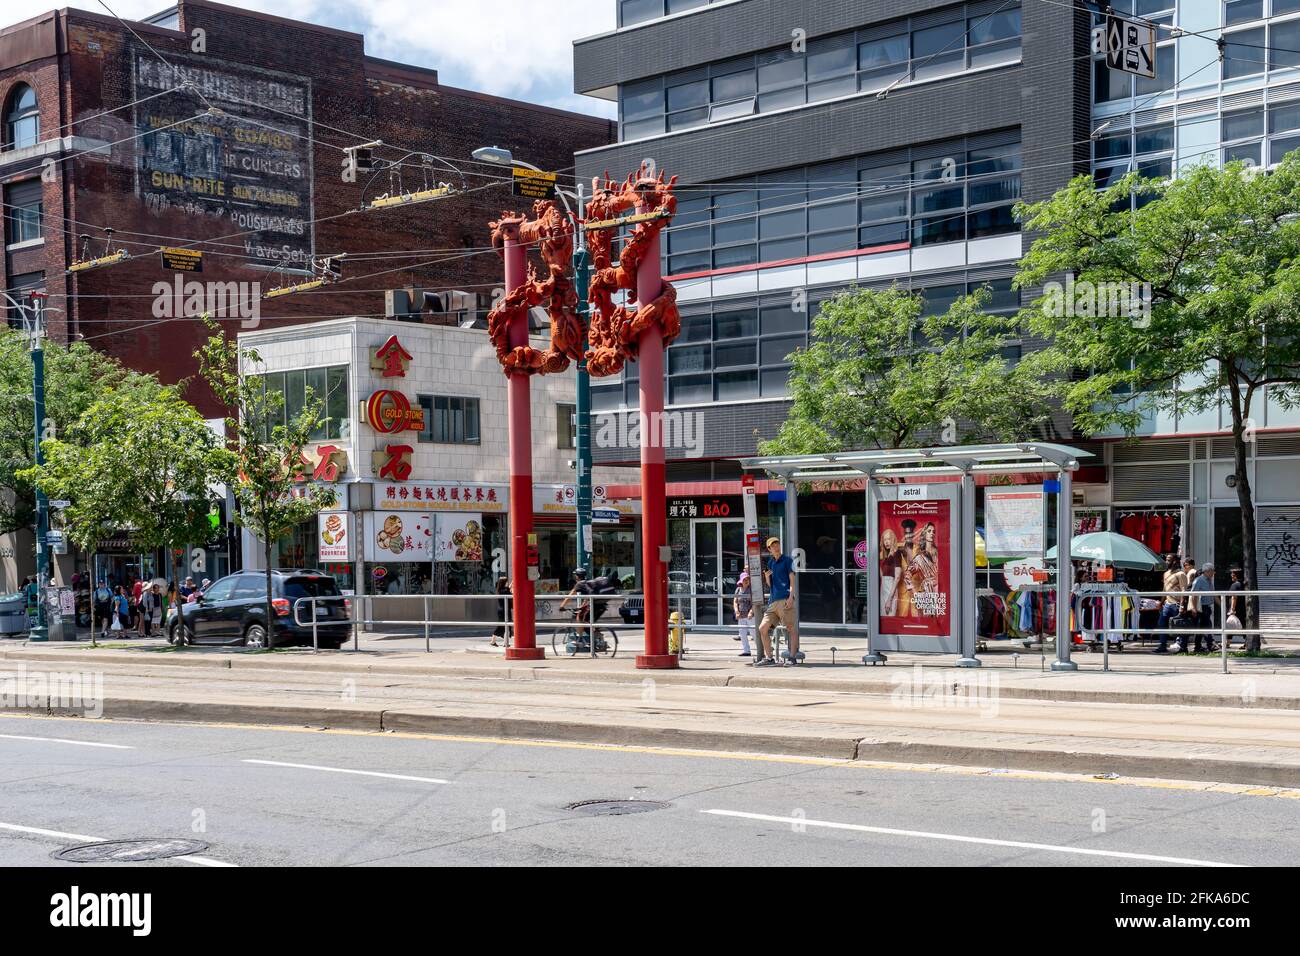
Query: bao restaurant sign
[{"x": 388, "y": 411}]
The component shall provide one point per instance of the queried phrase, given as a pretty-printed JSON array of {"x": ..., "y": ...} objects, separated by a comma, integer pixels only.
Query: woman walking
[
  {"x": 503, "y": 610},
  {"x": 122, "y": 606}
]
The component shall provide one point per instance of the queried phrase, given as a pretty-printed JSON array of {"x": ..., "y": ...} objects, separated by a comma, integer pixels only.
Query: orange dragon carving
[
  {"x": 616, "y": 329},
  {"x": 552, "y": 232}
]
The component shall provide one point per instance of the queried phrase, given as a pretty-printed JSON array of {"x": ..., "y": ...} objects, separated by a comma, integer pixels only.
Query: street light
[
  {"x": 503, "y": 157},
  {"x": 582, "y": 414},
  {"x": 36, "y": 299}
]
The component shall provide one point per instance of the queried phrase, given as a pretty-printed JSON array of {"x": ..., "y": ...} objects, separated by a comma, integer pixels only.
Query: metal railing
[
  {"x": 1222, "y": 630},
  {"x": 364, "y": 614}
]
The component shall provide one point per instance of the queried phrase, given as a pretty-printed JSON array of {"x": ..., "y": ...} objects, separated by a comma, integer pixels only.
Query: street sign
[
  {"x": 59, "y": 504},
  {"x": 56, "y": 542},
  {"x": 606, "y": 516},
  {"x": 1131, "y": 46},
  {"x": 532, "y": 183},
  {"x": 182, "y": 260}
]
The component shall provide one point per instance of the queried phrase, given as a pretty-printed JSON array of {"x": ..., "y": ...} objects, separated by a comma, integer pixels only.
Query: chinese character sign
[
  {"x": 442, "y": 496},
  {"x": 915, "y": 569}
]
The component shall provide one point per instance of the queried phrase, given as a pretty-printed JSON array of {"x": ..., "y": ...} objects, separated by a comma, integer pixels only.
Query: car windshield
[{"x": 317, "y": 586}]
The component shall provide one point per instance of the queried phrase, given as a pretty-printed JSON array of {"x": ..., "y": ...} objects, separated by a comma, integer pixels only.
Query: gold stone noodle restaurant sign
[{"x": 466, "y": 496}]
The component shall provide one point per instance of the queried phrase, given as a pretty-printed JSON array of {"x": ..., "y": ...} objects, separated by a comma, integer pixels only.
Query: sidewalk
[
  {"x": 713, "y": 660},
  {"x": 1199, "y": 725}
]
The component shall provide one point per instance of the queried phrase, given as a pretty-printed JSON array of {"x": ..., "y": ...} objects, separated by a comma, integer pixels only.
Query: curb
[
  {"x": 690, "y": 677},
  {"x": 849, "y": 748}
]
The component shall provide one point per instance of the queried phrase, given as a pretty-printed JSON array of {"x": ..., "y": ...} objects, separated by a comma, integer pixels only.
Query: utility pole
[
  {"x": 582, "y": 279},
  {"x": 40, "y": 630}
]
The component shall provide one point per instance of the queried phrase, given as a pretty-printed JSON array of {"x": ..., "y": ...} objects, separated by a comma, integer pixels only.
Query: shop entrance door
[{"x": 717, "y": 557}]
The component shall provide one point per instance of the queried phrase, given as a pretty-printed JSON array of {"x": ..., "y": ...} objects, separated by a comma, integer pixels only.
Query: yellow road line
[{"x": 1052, "y": 776}]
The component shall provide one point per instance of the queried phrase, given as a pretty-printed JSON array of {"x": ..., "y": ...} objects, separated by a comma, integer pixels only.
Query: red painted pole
[
  {"x": 654, "y": 511},
  {"x": 524, "y": 647}
]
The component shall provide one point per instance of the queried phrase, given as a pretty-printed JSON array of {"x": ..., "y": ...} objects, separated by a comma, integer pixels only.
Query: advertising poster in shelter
[{"x": 916, "y": 538}]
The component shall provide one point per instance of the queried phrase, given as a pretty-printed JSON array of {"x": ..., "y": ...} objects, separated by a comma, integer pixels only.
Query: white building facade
[{"x": 415, "y": 447}]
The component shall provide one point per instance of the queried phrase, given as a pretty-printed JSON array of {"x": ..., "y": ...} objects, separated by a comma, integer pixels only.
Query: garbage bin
[{"x": 13, "y": 614}]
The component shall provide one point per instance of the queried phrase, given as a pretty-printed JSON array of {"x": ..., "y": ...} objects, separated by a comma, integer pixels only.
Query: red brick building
[{"x": 223, "y": 130}]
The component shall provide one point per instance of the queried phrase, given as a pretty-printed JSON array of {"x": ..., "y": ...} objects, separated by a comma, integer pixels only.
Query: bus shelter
[{"x": 921, "y": 502}]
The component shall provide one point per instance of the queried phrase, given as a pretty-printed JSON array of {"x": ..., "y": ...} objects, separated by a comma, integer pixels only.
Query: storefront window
[
  {"x": 614, "y": 552},
  {"x": 441, "y": 577}
]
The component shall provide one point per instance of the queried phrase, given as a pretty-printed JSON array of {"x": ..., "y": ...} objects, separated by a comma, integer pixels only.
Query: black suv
[{"x": 233, "y": 611}]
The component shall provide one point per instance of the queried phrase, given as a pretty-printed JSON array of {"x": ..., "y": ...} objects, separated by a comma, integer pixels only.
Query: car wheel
[{"x": 255, "y": 636}]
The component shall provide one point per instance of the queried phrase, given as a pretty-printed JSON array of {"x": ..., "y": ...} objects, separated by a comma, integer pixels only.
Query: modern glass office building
[{"x": 820, "y": 145}]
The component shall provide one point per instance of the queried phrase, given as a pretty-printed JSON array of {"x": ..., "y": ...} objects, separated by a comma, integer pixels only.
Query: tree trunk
[
  {"x": 94, "y": 583},
  {"x": 270, "y": 619},
  {"x": 1246, "y": 501}
]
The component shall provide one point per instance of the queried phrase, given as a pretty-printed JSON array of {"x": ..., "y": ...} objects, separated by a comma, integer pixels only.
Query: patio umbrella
[{"x": 1115, "y": 550}]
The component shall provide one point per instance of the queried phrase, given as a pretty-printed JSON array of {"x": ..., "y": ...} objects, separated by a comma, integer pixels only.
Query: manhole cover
[
  {"x": 128, "y": 851},
  {"x": 615, "y": 808}
]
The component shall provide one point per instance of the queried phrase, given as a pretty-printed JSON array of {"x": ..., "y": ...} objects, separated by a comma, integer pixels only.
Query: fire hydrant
[{"x": 675, "y": 633}]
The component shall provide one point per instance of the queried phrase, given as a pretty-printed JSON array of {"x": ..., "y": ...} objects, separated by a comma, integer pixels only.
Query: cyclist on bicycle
[{"x": 599, "y": 585}]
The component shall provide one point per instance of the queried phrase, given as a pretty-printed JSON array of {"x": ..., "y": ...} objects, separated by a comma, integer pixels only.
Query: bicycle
[{"x": 573, "y": 639}]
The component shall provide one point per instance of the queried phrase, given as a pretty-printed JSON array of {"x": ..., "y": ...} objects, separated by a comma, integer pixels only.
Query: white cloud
[{"x": 516, "y": 48}]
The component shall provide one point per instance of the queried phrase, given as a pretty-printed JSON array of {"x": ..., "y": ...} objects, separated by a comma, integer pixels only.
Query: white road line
[
  {"x": 64, "y": 740},
  {"x": 205, "y": 861},
  {"x": 364, "y": 773},
  {"x": 37, "y": 831},
  {"x": 1016, "y": 844},
  {"x": 83, "y": 838}
]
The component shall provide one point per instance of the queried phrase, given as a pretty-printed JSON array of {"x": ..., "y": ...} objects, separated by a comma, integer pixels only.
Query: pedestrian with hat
[
  {"x": 780, "y": 605},
  {"x": 743, "y": 607}
]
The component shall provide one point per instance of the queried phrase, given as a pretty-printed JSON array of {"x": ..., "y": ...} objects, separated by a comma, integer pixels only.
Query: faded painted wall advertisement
[{"x": 249, "y": 166}]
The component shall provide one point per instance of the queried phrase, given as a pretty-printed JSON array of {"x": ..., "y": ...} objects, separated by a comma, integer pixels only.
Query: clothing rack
[{"x": 1108, "y": 609}]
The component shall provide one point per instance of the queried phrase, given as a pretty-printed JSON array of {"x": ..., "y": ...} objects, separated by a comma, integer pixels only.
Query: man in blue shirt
[{"x": 780, "y": 607}]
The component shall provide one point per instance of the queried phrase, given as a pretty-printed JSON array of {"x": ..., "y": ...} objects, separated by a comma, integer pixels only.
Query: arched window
[{"x": 22, "y": 118}]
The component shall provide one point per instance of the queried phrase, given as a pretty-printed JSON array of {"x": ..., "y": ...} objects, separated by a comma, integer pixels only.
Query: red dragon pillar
[
  {"x": 552, "y": 233},
  {"x": 619, "y": 333}
]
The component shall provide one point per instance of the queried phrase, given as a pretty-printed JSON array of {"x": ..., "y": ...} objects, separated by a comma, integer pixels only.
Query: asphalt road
[{"x": 270, "y": 796}]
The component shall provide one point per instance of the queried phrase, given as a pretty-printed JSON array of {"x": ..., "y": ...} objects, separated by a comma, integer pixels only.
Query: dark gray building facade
[
  {"x": 797, "y": 177},
  {"x": 821, "y": 143}
]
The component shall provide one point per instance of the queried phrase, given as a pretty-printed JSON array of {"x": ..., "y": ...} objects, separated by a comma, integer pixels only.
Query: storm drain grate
[
  {"x": 128, "y": 851},
  {"x": 615, "y": 808}
]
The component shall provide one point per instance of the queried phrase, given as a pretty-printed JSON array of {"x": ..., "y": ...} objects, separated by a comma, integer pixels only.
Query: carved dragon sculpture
[
  {"x": 552, "y": 232},
  {"x": 616, "y": 329}
]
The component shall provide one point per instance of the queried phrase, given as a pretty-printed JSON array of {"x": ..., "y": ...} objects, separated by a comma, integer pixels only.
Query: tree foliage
[
  {"x": 881, "y": 373},
  {"x": 140, "y": 458},
  {"x": 1219, "y": 250},
  {"x": 76, "y": 376}
]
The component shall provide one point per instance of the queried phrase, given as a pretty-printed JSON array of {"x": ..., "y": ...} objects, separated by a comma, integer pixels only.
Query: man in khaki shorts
[{"x": 780, "y": 605}]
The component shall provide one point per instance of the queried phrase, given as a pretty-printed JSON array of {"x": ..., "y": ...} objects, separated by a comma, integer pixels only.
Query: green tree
[
  {"x": 1218, "y": 251},
  {"x": 140, "y": 458},
  {"x": 268, "y": 447},
  {"x": 879, "y": 373},
  {"x": 75, "y": 377}
]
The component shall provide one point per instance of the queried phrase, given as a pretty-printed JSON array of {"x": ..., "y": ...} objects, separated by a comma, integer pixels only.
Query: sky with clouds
[{"x": 462, "y": 39}]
